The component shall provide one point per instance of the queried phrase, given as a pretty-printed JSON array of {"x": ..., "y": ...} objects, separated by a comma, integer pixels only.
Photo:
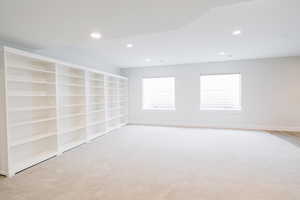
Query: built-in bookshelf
[
  {"x": 72, "y": 119},
  {"x": 31, "y": 110},
  {"x": 50, "y": 106},
  {"x": 95, "y": 105}
]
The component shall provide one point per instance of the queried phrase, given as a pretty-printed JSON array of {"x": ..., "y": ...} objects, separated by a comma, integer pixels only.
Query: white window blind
[
  {"x": 220, "y": 92},
  {"x": 159, "y": 93}
]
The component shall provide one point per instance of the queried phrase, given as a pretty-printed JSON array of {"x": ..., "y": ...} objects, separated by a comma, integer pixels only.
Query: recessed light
[
  {"x": 147, "y": 59},
  {"x": 129, "y": 45},
  {"x": 96, "y": 35},
  {"x": 222, "y": 53},
  {"x": 236, "y": 32}
]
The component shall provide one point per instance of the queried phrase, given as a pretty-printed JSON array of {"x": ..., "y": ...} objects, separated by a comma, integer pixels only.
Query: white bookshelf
[
  {"x": 50, "y": 106},
  {"x": 31, "y": 110},
  {"x": 96, "y": 105},
  {"x": 71, "y": 90}
]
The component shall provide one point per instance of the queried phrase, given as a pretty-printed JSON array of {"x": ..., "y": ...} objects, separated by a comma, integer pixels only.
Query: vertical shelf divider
[{"x": 57, "y": 103}]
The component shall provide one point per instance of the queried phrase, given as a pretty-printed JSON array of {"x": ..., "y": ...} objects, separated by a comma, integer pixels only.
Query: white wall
[{"x": 270, "y": 95}]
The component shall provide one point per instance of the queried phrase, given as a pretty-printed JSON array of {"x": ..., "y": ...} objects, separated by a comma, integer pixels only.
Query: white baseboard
[
  {"x": 3, "y": 173},
  {"x": 247, "y": 127}
]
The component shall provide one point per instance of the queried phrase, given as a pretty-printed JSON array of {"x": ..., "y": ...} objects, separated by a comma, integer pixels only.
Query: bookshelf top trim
[{"x": 57, "y": 62}]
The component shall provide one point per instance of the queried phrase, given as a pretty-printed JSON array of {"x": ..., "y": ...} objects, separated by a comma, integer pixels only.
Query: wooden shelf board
[
  {"x": 32, "y": 82},
  {"x": 73, "y": 115},
  {"x": 95, "y": 87},
  {"x": 116, "y": 117},
  {"x": 72, "y": 76},
  {"x": 30, "y": 95},
  {"x": 74, "y": 105},
  {"x": 32, "y": 108},
  {"x": 96, "y": 123},
  {"x": 32, "y": 122},
  {"x": 31, "y": 69},
  {"x": 72, "y": 85},
  {"x": 97, "y": 80},
  {"x": 96, "y": 111},
  {"x": 32, "y": 139},
  {"x": 72, "y": 130},
  {"x": 71, "y": 145}
]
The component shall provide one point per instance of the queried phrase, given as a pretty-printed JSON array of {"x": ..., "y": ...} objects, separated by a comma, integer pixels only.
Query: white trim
[
  {"x": 237, "y": 127},
  {"x": 59, "y": 62}
]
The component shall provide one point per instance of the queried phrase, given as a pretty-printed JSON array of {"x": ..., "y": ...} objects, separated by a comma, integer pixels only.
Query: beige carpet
[{"x": 157, "y": 163}]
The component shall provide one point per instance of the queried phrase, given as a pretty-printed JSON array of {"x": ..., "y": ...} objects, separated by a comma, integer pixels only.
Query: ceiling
[{"x": 166, "y": 31}]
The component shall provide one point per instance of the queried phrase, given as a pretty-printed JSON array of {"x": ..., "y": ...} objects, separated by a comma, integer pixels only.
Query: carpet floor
[{"x": 163, "y": 163}]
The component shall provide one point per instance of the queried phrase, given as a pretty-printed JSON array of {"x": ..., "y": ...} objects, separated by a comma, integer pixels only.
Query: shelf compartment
[
  {"x": 72, "y": 139},
  {"x": 96, "y": 123},
  {"x": 30, "y": 69},
  {"x": 30, "y": 82},
  {"x": 73, "y": 130},
  {"x": 93, "y": 92},
  {"x": 32, "y": 108},
  {"x": 97, "y": 99},
  {"x": 22, "y": 88},
  {"x": 33, "y": 115},
  {"x": 71, "y": 110},
  {"x": 72, "y": 91},
  {"x": 74, "y": 105},
  {"x": 14, "y": 74},
  {"x": 95, "y": 76},
  {"x": 114, "y": 117},
  {"x": 114, "y": 108},
  {"x": 32, "y": 139},
  {"x": 95, "y": 117},
  {"x": 71, "y": 76},
  {"x": 20, "y": 133},
  {"x": 71, "y": 72},
  {"x": 26, "y": 155},
  {"x": 96, "y": 81},
  {"x": 96, "y": 111},
  {"x": 113, "y": 99},
  {"x": 29, "y": 63},
  {"x": 113, "y": 104},
  {"x": 73, "y": 115},
  {"x": 96, "y": 87},
  {"x": 69, "y": 123},
  {"x": 96, "y": 131},
  {"x": 113, "y": 113},
  {"x": 71, "y": 145},
  {"x": 72, "y": 85},
  {"x": 113, "y": 123},
  {"x": 72, "y": 100},
  {"x": 96, "y": 102},
  {"x": 95, "y": 107},
  {"x": 31, "y": 102},
  {"x": 32, "y": 122},
  {"x": 69, "y": 80}
]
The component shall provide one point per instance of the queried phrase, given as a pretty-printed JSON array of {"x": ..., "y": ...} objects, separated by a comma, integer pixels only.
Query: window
[
  {"x": 159, "y": 93},
  {"x": 220, "y": 92}
]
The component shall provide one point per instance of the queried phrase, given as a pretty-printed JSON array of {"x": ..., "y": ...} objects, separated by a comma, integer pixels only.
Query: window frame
[
  {"x": 158, "y": 109},
  {"x": 222, "y": 109}
]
